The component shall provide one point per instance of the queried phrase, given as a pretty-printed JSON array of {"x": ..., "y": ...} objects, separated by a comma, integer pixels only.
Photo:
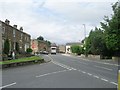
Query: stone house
[{"x": 17, "y": 37}]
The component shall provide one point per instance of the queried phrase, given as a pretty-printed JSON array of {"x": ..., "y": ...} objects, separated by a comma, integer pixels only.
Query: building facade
[
  {"x": 19, "y": 41},
  {"x": 39, "y": 45},
  {"x": 61, "y": 48}
]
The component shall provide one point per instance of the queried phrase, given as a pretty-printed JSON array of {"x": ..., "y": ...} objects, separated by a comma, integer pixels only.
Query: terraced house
[{"x": 18, "y": 40}]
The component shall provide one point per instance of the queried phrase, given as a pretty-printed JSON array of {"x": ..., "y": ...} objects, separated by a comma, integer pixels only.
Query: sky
[{"x": 59, "y": 21}]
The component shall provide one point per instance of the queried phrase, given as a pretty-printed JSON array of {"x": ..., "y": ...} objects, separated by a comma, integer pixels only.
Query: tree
[
  {"x": 111, "y": 28},
  {"x": 95, "y": 43},
  {"x": 40, "y": 38},
  {"x": 76, "y": 49},
  {"x": 6, "y": 47}
]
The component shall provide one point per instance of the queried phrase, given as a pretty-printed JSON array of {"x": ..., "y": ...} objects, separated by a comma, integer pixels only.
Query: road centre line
[
  {"x": 70, "y": 68},
  {"x": 114, "y": 83},
  {"x": 8, "y": 85},
  {"x": 104, "y": 79},
  {"x": 51, "y": 73},
  {"x": 104, "y": 68}
]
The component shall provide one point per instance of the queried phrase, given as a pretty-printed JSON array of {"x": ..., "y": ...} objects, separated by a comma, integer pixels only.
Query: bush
[{"x": 29, "y": 50}]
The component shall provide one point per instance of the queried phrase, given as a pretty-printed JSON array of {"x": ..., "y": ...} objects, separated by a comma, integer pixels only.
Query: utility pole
[
  {"x": 0, "y": 41},
  {"x": 85, "y": 39}
]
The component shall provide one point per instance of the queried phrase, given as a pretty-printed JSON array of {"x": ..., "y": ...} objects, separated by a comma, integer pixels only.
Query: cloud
[{"x": 56, "y": 20}]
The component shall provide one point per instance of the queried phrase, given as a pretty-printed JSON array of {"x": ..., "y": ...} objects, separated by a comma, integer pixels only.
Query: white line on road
[
  {"x": 83, "y": 72},
  {"x": 104, "y": 79},
  {"x": 95, "y": 76},
  {"x": 103, "y": 68},
  {"x": 8, "y": 85},
  {"x": 89, "y": 74},
  {"x": 114, "y": 83},
  {"x": 52, "y": 73}
]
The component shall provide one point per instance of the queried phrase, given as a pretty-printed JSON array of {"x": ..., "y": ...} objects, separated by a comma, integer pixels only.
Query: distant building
[
  {"x": 61, "y": 48},
  {"x": 68, "y": 46},
  {"x": 17, "y": 38},
  {"x": 39, "y": 45}
]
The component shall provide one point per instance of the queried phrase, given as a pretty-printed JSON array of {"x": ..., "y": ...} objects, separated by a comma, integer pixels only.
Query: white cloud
[{"x": 56, "y": 20}]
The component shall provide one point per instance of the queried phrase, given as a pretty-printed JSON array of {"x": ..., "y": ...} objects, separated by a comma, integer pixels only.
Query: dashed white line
[
  {"x": 95, "y": 76},
  {"x": 89, "y": 74},
  {"x": 83, "y": 72},
  {"x": 103, "y": 68},
  {"x": 114, "y": 83},
  {"x": 52, "y": 73},
  {"x": 104, "y": 79},
  {"x": 8, "y": 85}
]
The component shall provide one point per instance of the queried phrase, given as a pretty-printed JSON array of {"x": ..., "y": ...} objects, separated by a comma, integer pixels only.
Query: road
[{"x": 62, "y": 72}]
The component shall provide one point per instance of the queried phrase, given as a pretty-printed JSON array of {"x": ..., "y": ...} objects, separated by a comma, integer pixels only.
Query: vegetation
[
  {"x": 21, "y": 60},
  {"x": 40, "y": 38},
  {"x": 105, "y": 40},
  {"x": 29, "y": 50},
  {"x": 6, "y": 47},
  {"x": 76, "y": 49}
]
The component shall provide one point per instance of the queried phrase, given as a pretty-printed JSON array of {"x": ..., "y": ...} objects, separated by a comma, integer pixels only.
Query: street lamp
[{"x": 85, "y": 39}]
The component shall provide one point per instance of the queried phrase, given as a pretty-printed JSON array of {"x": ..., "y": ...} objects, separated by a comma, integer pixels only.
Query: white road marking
[
  {"x": 103, "y": 68},
  {"x": 52, "y": 73},
  {"x": 104, "y": 79},
  {"x": 8, "y": 85},
  {"x": 62, "y": 65},
  {"x": 89, "y": 74},
  {"x": 83, "y": 72},
  {"x": 95, "y": 76},
  {"x": 114, "y": 83}
]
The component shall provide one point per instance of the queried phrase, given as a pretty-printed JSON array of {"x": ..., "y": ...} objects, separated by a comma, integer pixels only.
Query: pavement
[{"x": 61, "y": 71}]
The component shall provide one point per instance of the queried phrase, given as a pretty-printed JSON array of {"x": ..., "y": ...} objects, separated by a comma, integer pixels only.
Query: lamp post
[
  {"x": 85, "y": 39},
  {"x": 0, "y": 41}
]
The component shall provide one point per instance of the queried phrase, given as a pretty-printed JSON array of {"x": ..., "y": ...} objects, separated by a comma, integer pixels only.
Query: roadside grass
[{"x": 21, "y": 60}]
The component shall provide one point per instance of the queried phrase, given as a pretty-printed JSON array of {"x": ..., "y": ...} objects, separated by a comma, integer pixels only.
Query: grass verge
[{"x": 21, "y": 60}]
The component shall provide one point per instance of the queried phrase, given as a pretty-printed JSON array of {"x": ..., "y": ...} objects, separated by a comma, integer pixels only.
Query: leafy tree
[
  {"x": 6, "y": 47},
  {"x": 95, "y": 43},
  {"x": 40, "y": 38},
  {"x": 111, "y": 28},
  {"x": 76, "y": 49}
]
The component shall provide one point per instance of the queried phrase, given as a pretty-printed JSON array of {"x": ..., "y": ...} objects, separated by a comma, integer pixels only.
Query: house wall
[{"x": 15, "y": 36}]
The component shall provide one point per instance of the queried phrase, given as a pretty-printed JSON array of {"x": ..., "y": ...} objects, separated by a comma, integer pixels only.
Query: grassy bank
[{"x": 21, "y": 60}]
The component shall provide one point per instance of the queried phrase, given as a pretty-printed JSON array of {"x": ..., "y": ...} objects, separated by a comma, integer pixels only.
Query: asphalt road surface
[{"x": 63, "y": 71}]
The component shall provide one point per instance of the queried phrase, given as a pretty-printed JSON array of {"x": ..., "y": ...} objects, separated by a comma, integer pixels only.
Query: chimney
[
  {"x": 15, "y": 26},
  {"x": 21, "y": 28},
  {"x": 7, "y": 21}
]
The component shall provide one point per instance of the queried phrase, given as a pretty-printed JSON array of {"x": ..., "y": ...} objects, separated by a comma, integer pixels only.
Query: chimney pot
[
  {"x": 15, "y": 26},
  {"x": 7, "y": 21}
]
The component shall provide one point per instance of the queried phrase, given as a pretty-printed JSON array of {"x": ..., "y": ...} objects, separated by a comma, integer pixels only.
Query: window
[
  {"x": 21, "y": 36},
  {"x": 13, "y": 32},
  {"x": 3, "y": 30}
]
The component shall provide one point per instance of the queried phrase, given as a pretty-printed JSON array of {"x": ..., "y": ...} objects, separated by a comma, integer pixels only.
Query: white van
[{"x": 53, "y": 50}]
